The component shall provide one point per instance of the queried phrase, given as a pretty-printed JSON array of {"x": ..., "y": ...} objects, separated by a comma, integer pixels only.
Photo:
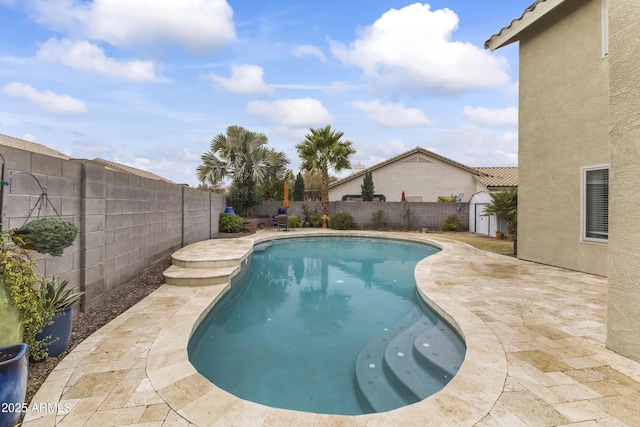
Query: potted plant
[
  {"x": 13, "y": 377},
  {"x": 19, "y": 278},
  {"x": 316, "y": 219},
  {"x": 56, "y": 334},
  {"x": 46, "y": 235},
  {"x": 505, "y": 204},
  {"x": 325, "y": 221}
]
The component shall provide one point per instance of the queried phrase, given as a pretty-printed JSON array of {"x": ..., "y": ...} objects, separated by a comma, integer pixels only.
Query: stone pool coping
[{"x": 525, "y": 364}]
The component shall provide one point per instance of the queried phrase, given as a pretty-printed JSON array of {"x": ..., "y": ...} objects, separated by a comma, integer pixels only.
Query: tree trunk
[{"x": 325, "y": 190}]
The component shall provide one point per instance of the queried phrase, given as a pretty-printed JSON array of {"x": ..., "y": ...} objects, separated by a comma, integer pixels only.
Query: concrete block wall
[
  {"x": 423, "y": 214},
  {"x": 126, "y": 222}
]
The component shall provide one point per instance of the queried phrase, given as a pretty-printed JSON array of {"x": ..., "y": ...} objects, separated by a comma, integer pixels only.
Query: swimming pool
[{"x": 327, "y": 325}]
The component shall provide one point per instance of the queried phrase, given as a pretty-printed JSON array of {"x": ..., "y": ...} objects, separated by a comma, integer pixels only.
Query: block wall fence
[
  {"x": 428, "y": 215},
  {"x": 126, "y": 222}
]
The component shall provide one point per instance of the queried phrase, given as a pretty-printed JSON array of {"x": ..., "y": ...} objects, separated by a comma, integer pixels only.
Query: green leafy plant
[
  {"x": 451, "y": 223},
  {"x": 18, "y": 276},
  {"x": 56, "y": 296},
  {"x": 230, "y": 223},
  {"x": 379, "y": 219},
  {"x": 407, "y": 219},
  {"x": 315, "y": 218},
  {"x": 47, "y": 235},
  {"x": 341, "y": 221},
  {"x": 505, "y": 204},
  {"x": 294, "y": 221},
  {"x": 447, "y": 199}
]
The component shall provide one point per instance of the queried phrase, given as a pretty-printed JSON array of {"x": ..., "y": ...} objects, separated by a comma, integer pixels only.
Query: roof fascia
[{"x": 510, "y": 34}]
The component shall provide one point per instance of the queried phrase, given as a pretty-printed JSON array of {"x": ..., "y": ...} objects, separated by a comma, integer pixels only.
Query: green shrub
[
  {"x": 446, "y": 199},
  {"x": 451, "y": 223},
  {"x": 341, "y": 221},
  {"x": 294, "y": 222},
  {"x": 379, "y": 219},
  {"x": 49, "y": 235},
  {"x": 230, "y": 223}
]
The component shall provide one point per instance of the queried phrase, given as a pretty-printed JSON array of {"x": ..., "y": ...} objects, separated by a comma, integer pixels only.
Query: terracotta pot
[{"x": 499, "y": 235}]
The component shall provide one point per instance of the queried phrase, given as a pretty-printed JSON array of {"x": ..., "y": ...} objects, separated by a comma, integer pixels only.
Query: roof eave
[{"x": 531, "y": 15}]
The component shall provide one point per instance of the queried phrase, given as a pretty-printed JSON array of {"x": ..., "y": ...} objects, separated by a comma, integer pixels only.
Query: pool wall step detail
[
  {"x": 181, "y": 276},
  {"x": 377, "y": 386},
  {"x": 401, "y": 359},
  {"x": 440, "y": 347}
]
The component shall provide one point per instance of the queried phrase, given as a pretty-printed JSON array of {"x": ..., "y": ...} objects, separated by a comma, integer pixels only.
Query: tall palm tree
[
  {"x": 241, "y": 155},
  {"x": 321, "y": 149}
]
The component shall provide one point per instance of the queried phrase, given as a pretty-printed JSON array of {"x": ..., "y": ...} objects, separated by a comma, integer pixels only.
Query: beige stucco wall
[
  {"x": 426, "y": 180},
  {"x": 624, "y": 216},
  {"x": 563, "y": 126}
]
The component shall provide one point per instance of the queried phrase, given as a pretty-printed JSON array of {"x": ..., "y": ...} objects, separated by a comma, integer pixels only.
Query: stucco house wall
[
  {"x": 422, "y": 178},
  {"x": 623, "y": 308},
  {"x": 563, "y": 116}
]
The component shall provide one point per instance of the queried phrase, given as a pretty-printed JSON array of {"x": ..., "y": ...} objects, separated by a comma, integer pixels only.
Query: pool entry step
[{"x": 408, "y": 362}]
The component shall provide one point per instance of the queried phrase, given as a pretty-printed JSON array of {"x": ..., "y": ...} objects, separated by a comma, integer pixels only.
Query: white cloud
[
  {"x": 189, "y": 156},
  {"x": 85, "y": 56},
  {"x": 48, "y": 100},
  {"x": 245, "y": 79},
  {"x": 309, "y": 50},
  {"x": 475, "y": 146},
  {"x": 412, "y": 49},
  {"x": 29, "y": 137},
  {"x": 199, "y": 25},
  {"x": 498, "y": 117},
  {"x": 299, "y": 112},
  {"x": 392, "y": 115}
]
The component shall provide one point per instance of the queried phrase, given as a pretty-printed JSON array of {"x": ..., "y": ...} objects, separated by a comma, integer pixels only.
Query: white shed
[{"x": 478, "y": 222}]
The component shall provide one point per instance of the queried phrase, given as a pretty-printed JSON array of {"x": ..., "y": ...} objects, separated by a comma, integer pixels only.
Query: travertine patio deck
[{"x": 536, "y": 356}]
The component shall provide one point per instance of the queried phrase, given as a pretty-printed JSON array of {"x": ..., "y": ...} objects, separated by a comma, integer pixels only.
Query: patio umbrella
[
  {"x": 285, "y": 203},
  {"x": 403, "y": 198}
]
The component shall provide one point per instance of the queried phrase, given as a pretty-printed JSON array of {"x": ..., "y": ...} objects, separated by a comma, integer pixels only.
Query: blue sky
[{"x": 149, "y": 83}]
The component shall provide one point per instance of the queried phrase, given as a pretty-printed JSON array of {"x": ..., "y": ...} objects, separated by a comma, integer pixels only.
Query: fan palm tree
[
  {"x": 241, "y": 155},
  {"x": 321, "y": 149},
  {"x": 505, "y": 204}
]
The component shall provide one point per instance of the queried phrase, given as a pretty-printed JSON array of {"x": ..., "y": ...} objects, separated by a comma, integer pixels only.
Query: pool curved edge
[{"x": 464, "y": 401}]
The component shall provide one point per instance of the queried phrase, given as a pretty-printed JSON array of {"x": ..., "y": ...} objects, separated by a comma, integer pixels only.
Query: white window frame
[{"x": 583, "y": 203}]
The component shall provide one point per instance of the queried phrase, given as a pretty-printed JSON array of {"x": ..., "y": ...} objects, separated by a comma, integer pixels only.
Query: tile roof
[
  {"x": 21, "y": 144},
  {"x": 130, "y": 170},
  {"x": 498, "y": 176},
  {"x": 531, "y": 14}
]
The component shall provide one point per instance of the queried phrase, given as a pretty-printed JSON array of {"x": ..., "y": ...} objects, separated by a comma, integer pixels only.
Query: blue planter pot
[
  {"x": 59, "y": 332},
  {"x": 229, "y": 210},
  {"x": 13, "y": 382}
]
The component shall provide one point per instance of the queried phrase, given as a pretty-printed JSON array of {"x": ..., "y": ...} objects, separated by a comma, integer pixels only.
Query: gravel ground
[{"x": 84, "y": 324}]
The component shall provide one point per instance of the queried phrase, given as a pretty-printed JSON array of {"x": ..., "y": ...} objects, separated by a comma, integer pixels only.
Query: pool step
[
  {"x": 211, "y": 254},
  {"x": 399, "y": 356},
  {"x": 181, "y": 276},
  {"x": 377, "y": 386},
  {"x": 401, "y": 366},
  {"x": 440, "y": 347}
]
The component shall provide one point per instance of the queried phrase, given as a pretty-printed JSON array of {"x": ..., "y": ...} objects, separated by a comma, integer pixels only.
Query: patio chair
[{"x": 283, "y": 222}]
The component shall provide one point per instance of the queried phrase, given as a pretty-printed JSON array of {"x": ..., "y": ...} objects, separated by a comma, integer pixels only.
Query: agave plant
[{"x": 56, "y": 295}]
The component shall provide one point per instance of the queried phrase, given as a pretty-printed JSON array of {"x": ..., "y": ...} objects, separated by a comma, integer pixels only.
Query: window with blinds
[{"x": 596, "y": 203}]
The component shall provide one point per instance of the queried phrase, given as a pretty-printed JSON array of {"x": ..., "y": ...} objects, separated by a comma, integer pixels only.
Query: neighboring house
[
  {"x": 579, "y": 149},
  {"x": 423, "y": 176},
  {"x": 33, "y": 147}
]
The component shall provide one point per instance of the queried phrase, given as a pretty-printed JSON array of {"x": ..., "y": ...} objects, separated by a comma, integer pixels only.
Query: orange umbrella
[{"x": 286, "y": 203}]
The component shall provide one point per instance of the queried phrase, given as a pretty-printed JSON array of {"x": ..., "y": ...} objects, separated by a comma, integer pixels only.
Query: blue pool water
[{"x": 328, "y": 325}]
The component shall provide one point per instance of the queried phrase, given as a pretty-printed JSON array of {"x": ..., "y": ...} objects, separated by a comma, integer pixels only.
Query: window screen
[{"x": 597, "y": 204}]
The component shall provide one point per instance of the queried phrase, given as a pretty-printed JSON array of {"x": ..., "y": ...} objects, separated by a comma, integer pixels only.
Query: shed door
[{"x": 481, "y": 221}]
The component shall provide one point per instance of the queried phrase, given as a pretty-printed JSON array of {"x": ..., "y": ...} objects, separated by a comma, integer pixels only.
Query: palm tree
[
  {"x": 242, "y": 156},
  {"x": 505, "y": 204},
  {"x": 321, "y": 149}
]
